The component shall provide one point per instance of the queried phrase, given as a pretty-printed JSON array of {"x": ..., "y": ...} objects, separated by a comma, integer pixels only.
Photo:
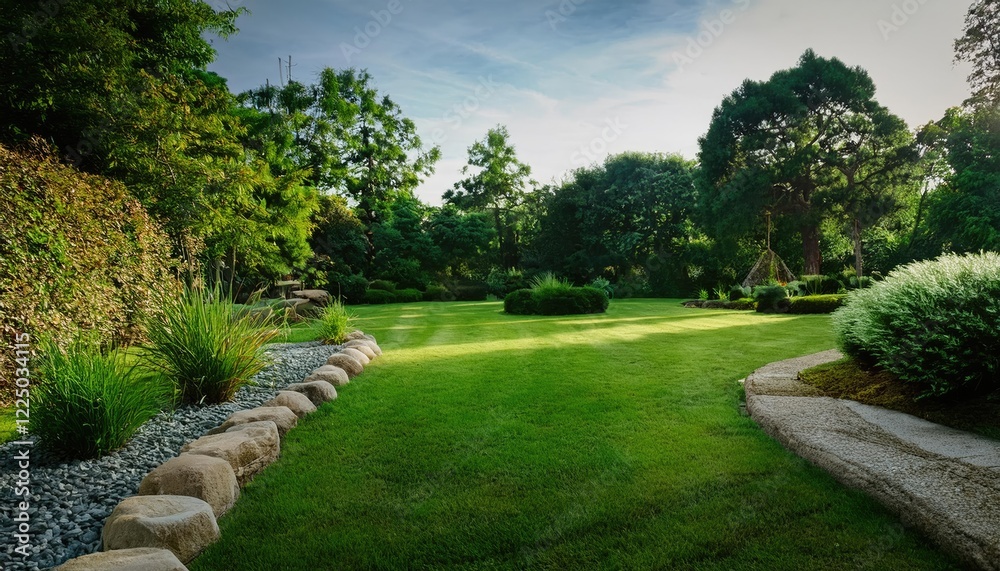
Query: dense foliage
[
  {"x": 78, "y": 255},
  {"x": 934, "y": 323}
]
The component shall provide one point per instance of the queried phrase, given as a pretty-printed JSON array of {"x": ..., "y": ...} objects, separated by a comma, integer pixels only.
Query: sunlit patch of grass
[{"x": 485, "y": 441}]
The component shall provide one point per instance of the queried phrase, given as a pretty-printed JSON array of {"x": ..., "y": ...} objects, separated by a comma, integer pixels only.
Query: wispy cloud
[{"x": 557, "y": 82}]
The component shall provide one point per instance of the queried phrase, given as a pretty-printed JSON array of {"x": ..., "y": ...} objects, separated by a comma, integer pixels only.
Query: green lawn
[{"x": 486, "y": 441}]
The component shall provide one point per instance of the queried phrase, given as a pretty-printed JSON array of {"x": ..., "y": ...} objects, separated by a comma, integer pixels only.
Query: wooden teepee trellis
[{"x": 770, "y": 267}]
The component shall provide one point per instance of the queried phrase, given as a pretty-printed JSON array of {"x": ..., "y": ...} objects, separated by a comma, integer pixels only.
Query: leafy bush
[
  {"x": 88, "y": 404},
  {"x": 409, "y": 296},
  {"x": 350, "y": 288},
  {"x": 738, "y": 292},
  {"x": 78, "y": 255},
  {"x": 796, "y": 289},
  {"x": 205, "y": 348},
  {"x": 501, "y": 282},
  {"x": 379, "y": 297},
  {"x": 935, "y": 323},
  {"x": 603, "y": 285},
  {"x": 438, "y": 293},
  {"x": 769, "y": 298},
  {"x": 471, "y": 292},
  {"x": 520, "y": 302},
  {"x": 814, "y": 304},
  {"x": 383, "y": 285},
  {"x": 334, "y": 324}
]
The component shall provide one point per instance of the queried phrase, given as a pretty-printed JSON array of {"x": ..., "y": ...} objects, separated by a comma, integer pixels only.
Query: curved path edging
[{"x": 944, "y": 482}]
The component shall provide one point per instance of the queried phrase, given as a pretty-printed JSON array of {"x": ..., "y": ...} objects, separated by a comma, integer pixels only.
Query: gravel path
[{"x": 70, "y": 500}]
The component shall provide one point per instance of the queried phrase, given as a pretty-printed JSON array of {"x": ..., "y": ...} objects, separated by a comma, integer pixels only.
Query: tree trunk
[
  {"x": 858, "y": 259},
  {"x": 811, "y": 254}
]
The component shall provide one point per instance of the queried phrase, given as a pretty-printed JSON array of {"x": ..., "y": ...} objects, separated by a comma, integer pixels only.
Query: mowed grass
[{"x": 486, "y": 441}]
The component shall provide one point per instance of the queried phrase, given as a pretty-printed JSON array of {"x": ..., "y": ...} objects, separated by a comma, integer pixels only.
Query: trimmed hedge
[
  {"x": 409, "y": 295},
  {"x": 934, "y": 323},
  {"x": 438, "y": 293},
  {"x": 816, "y": 304},
  {"x": 379, "y": 297},
  {"x": 552, "y": 301},
  {"x": 473, "y": 292},
  {"x": 383, "y": 285}
]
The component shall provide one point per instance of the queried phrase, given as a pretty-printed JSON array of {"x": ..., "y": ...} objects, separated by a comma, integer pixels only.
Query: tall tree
[
  {"x": 775, "y": 147},
  {"x": 352, "y": 140},
  {"x": 614, "y": 219},
  {"x": 964, "y": 213},
  {"x": 496, "y": 184},
  {"x": 874, "y": 162},
  {"x": 980, "y": 46}
]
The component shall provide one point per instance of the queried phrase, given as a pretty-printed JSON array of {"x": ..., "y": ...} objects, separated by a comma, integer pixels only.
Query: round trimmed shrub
[
  {"x": 935, "y": 323},
  {"x": 520, "y": 302}
]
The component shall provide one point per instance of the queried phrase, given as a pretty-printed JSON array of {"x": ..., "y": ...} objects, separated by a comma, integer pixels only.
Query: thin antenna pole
[{"x": 281, "y": 72}]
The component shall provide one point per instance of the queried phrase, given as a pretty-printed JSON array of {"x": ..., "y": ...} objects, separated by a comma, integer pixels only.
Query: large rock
[
  {"x": 248, "y": 448},
  {"x": 349, "y": 364},
  {"x": 361, "y": 346},
  {"x": 203, "y": 477},
  {"x": 355, "y": 335},
  {"x": 138, "y": 559},
  {"x": 358, "y": 356},
  {"x": 328, "y": 373},
  {"x": 318, "y": 297},
  {"x": 281, "y": 416},
  {"x": 181, "y": 524},
  {"x": 366, "y": 343},
  {"x": 295, "y": 401},
  {"x": 318, "y": 392}
]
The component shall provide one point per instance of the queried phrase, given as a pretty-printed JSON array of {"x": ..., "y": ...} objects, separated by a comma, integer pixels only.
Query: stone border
[
  {"x": 175, "y": 516},
  {"x": 942, "y": 481}
]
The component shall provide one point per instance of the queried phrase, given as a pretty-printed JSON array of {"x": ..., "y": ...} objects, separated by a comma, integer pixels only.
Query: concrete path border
[{"x": 942, "y": 481}]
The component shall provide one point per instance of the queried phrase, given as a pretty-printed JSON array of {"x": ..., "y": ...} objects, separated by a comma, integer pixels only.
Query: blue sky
[{"x": 576, "y": 80}]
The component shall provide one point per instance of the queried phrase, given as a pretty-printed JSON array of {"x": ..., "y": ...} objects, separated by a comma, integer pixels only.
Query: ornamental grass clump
[
  {"x": 88, "y": 404},
  {"x": 205, "y": 347},
  {"x": 548, "y": 282},
  {"x": 334, "y": 324},
  {"x": 934, "y": 323}
]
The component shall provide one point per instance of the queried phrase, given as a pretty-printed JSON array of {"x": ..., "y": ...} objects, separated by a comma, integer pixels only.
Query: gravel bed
[{"x": 69, "y": 501}]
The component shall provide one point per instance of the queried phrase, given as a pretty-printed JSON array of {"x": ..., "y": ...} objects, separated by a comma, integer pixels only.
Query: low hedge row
[
  {"x": 569, "y": 301},
  {"x": 816, "y": 304}
]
